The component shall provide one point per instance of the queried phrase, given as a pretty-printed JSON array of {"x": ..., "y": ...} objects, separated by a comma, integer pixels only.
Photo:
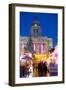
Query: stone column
[
  {"x": 41, "y": 48},
  {"x": 34, "y": 46}
]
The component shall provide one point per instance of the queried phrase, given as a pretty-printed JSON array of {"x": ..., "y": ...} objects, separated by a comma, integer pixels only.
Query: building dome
[{"x": 36, "y": 22}]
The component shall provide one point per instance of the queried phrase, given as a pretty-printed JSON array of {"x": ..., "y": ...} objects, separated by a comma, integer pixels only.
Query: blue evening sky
[{"x": 48, "y": 23}]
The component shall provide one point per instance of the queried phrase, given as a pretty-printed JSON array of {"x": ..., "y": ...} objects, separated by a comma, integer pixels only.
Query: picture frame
[{"x": 30, "y": 63}]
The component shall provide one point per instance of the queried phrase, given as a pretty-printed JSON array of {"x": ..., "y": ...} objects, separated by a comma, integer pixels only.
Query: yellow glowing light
[{"x": 42, "y": 57}]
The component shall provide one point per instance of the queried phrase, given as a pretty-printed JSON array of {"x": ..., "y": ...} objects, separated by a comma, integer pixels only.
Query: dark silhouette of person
[{"x": 42, "y": 69}]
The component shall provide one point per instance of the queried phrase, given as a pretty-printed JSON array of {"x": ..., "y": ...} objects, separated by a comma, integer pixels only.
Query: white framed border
[{"x": 19, "y": 80}]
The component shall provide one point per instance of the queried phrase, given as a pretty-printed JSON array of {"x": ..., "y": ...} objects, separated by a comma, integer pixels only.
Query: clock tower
[{"x": 35, "y": 29}]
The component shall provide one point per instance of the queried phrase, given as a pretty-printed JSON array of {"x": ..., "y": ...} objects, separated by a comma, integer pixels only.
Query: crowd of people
[{"x": 44, "y": 68}]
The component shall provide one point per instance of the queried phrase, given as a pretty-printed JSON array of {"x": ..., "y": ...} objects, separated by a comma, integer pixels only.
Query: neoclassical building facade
[{"x": 39, "y": 44}]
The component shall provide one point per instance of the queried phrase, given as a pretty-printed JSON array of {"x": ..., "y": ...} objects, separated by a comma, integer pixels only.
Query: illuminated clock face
[{"x": 35, "y": 25}]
